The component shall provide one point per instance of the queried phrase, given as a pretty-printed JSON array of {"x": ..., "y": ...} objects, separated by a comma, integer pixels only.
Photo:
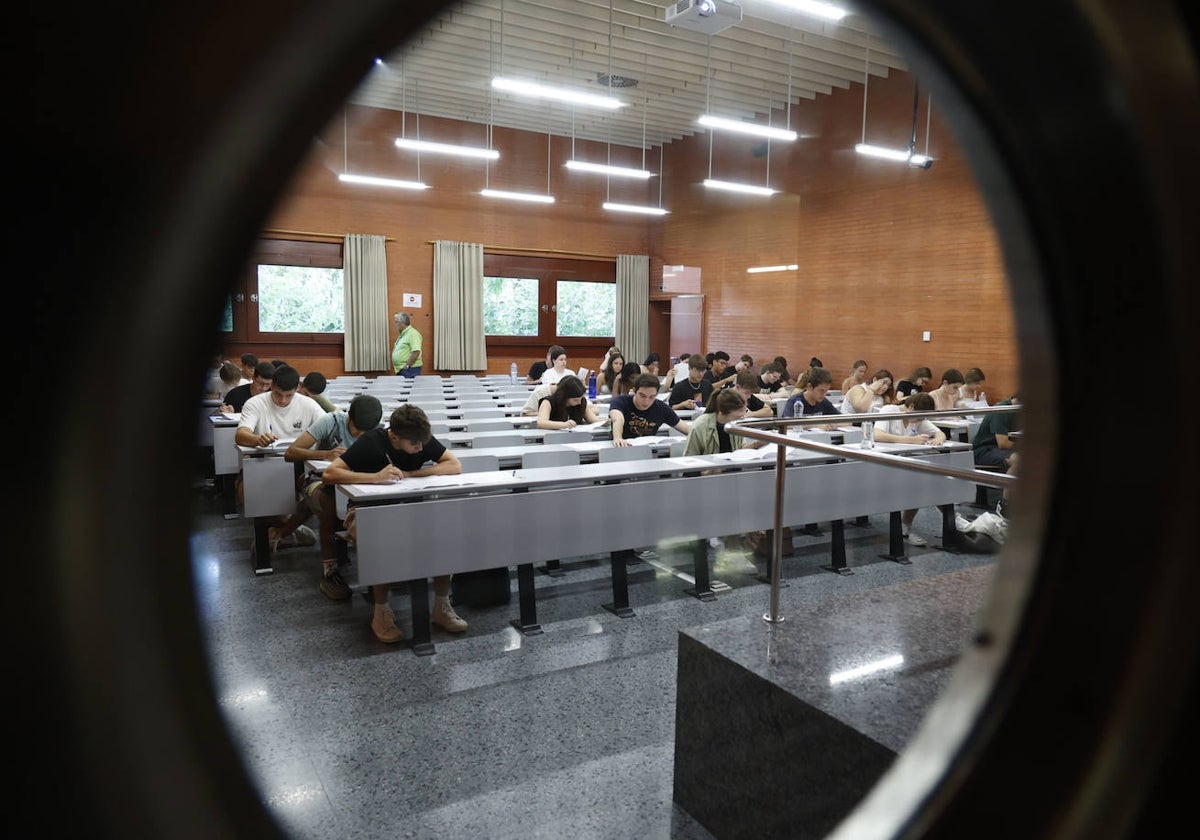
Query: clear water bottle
[
  {"x": 591, "y": 385},
  {"x": 868, "y": 435},
  {"x": 512, "y": 373}
]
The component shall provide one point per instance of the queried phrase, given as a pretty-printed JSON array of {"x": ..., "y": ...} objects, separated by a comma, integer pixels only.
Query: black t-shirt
[
  {"x": 773, "y": 387},
  {"x": 237, "y": 396},
  {"x": 372, "y": 451},
  {"x": 578, "y": 413},
  {"x": 536, "y": 370},
  {"x": 753, "y": 403},
  {"x": 685, "y": 390},
  {"x": 643, "y": 423},
  {"x": 724, "y": 444},
  {"x": 906, "y": 388}
]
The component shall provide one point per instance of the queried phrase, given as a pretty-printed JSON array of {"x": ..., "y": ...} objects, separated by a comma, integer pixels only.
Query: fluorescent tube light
[
  {"x": 605, "y": 169},
  {"x": 446, "y": 149},
  {"x": 381, "y": 182},
  {"x": 815, "y": 8},
  {"x": 920, "y": 160},
  {"x": 882, "y": 152},
  {"x": 732, "y": 186},
  {"x": 575, "y": 97},
  {"x": 540, "y": 198},
  {"x": 635, "y": 208},
  {"x": 747, "y": 128},
  {"x": 763, "y": 269}
]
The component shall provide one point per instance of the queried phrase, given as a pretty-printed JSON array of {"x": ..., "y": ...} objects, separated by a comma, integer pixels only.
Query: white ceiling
[{"x": 772, "y": 57}]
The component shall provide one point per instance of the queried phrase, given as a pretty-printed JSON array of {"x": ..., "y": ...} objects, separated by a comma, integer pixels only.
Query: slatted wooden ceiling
[{"x": 668, "y": 75}]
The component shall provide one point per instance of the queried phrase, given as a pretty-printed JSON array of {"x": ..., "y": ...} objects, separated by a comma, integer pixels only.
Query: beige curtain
[
  {"x": 633, "y": 306},
  {"x": 458, "y": 306},
  {"x": 364, "y": 272}
]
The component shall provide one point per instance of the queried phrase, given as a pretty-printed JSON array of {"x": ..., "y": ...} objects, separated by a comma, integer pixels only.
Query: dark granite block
[{"x": 768, "y": 744}]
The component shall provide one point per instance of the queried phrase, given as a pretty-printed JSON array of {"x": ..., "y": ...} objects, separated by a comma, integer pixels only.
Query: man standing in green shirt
[{"x": 406, "y": 352}]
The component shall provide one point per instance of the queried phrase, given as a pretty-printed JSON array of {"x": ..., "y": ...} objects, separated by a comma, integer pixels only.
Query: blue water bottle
[{"x": 591, "y": 385}]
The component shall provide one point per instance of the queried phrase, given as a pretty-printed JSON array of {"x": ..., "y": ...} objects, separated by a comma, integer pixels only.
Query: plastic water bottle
[
  {"x": 512, "y": 373},
  {"x": 868, "y": 435},
  {"x": 591, "y": 385}
]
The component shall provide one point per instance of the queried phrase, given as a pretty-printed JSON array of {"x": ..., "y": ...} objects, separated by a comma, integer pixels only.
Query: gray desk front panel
[{"x": 467, "y": 533}]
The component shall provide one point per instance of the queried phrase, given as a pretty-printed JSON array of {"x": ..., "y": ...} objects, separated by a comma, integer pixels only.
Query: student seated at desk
[
  {"x": 812, "y": 400},
  {"x": 693, "y": 390},
  {"x": 971, "y": 394},
  {"x": 708, "y": 435},
  {"x": 858, "y": 376},
  {"x": 770, "y": 378},
  {"x": 558, "y": 365},
  {"x": 235, "y": 398},
  {"x": 610, "y": 375},
  {"x": 945, "y": 396},
  {"x": 383, "y": 456},
  {"x": 629, "y": 375},
  {"x": 641, "y": 413},
  {"x": 281, "y": 413},
  {"x": 530, "y": 409},
  {"x": 567, "y": 407},
  {"x": 313, "y": 385},
  {"x": 917, "y": 380},
  {"x": 872, "y": 396},
  {"x": 746, "y": 384},
  {"x": 326, "y": 440},
  {"x": 992, "y": 446},
  {"x": 899, "y": 430}
]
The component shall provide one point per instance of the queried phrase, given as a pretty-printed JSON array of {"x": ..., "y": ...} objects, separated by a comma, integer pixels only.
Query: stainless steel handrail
[{"x": 753, "y": 429}]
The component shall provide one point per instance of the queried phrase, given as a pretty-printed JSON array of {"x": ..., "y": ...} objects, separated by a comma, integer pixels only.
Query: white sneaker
[
  {"x": 304, "y": 535},
  {"x": 646, "y": 554},
  {"x": 716, "y": 542},
  {"x": 445, "y": 617},
  {"x": 913, "y": 538}
]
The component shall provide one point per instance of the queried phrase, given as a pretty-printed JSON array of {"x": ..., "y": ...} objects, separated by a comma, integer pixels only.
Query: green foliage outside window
[
  {"x": 510, "y": 306},
  {"x": 586, "y": 309},
  {"x": 293, "y": 298}
]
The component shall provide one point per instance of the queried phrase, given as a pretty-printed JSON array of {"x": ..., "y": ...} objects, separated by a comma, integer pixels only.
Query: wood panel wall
[{"x": 884, "y": 252}]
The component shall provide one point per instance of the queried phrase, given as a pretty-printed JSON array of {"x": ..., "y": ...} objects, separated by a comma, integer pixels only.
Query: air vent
[{"x": 617, "y": 81}]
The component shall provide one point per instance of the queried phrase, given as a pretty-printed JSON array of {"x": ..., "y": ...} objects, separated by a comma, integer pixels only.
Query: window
[
  {"x": 533, "y": 302},
  {"x": 290, "y": 297}
]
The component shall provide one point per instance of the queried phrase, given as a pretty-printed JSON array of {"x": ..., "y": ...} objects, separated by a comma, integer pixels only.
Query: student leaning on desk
[
  {"x": 326, "y": 440},
  {"x": 280, "y": 414},
  {"x": 641, "y": 413},
  {"x": 383, "y": 456}
]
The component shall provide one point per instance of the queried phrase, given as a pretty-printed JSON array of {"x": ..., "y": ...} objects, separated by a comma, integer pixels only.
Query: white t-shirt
[
  {"x": 530, "y": 409},
  {"x": 897, "y": 427},
  {"x": 552, "y": 376},
  {"x": 260, "y": 415},
  {"x": 846, "y": 408}
]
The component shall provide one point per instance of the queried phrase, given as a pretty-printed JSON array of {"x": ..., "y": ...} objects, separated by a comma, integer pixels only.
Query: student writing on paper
[
  {"x": 281, "y": 414},
  {"x": 892, "y": 427},
  {"x": 746, "y": 383},
  {"x": 567, "y": 407},
  {"x": 236, "y": 397},
  {"x": 327, "y": 440},
  {"x": 708, "y": 435},
  {"x": 381, "y": 456},
  {"x": 812, "y": 399},
  {"x": 641, "y": 413}
]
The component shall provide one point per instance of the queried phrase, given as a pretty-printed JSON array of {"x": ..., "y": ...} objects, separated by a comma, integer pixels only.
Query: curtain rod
[
  {"x": 314, "y": 233},
  {"x": 502, "y": 249}
]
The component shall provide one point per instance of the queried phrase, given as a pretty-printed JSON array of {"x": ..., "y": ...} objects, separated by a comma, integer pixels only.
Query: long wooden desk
[{"x": 658, "y": 499}]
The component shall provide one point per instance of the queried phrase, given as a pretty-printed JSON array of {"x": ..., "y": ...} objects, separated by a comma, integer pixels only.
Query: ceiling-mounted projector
[{"x": 707, "y": 16}]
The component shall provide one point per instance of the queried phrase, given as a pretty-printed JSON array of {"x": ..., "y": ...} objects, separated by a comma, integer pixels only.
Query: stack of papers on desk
[{"x": 649, "y": 440}]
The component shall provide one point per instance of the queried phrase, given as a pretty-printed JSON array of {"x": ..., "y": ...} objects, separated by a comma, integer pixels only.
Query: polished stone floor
[{"x": 565, "y": 734}]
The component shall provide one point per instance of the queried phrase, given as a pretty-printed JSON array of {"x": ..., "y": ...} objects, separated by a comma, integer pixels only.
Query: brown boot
[{"x": 383, "y": 625}]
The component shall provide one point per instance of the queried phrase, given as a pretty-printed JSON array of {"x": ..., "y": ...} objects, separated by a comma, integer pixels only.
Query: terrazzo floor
[{"x": 565, "y": 734}]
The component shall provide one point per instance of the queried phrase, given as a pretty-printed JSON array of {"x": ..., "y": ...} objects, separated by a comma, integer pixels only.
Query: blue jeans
[{"x": 409, "y": 373}]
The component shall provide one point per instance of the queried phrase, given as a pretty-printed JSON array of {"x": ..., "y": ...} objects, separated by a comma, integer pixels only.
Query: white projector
[{"x": 707, "y": 16}]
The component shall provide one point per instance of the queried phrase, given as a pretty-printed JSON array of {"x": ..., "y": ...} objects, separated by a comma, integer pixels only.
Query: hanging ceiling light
[
  {"x": 608, "y": 169},
  {"x": 730, "y": 186},
  {"x": 540, "y": 91},
  {"x": 908, "y": 155},
  {"x": 766, "y": 269},
  {"x": 645, "y": 210},
  {"x": 446, "y": 149},
  {"x": 539, "y": 198},
  {"x": 828, "y": 11},
  {"x": 371, "y": 180},
  {"x": 747, "y": 128}
]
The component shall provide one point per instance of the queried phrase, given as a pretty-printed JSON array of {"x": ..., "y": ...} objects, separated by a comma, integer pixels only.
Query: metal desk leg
[
  {"x": 896, "y": 541},
  {"x": 950, "y": 536},
  {"x": 418, "y": 593},
  {"x": 262, "y": 546},
  {"x": 620, "y": 584},
  {"x": 228, "y": 485},
  {"x": 527, "y": 624},
  {"x": 702, "y": 591},
  {"x": 837, "y": 549}
]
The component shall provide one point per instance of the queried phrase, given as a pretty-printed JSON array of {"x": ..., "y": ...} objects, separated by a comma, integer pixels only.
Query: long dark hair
[
  {"x": 610, "y": 378},
  {"x": 569, "y": 386}
]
